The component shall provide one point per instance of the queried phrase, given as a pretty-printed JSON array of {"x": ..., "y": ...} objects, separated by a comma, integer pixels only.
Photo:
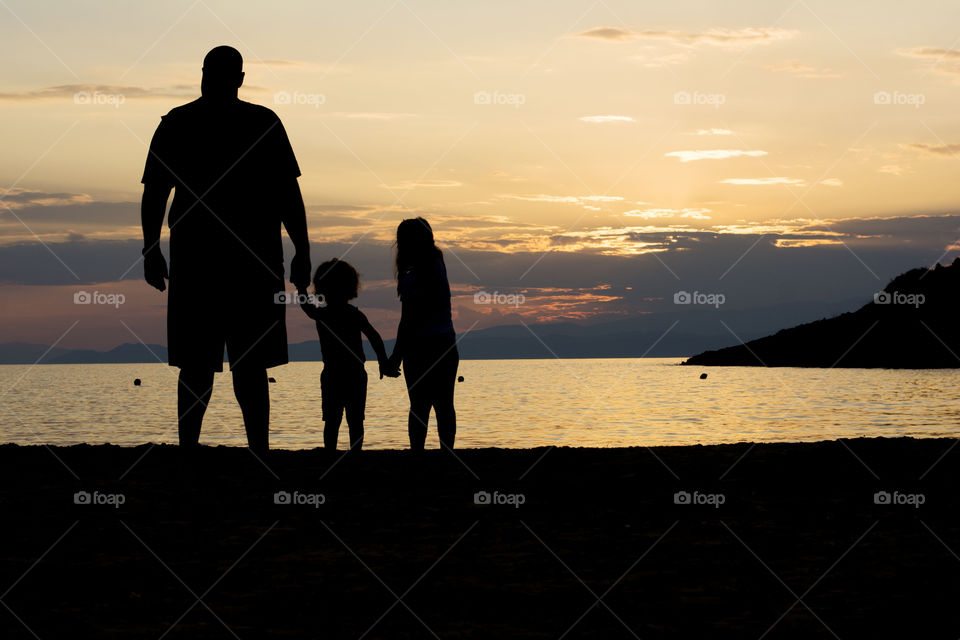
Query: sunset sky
[{"x": 597, "y": 156}]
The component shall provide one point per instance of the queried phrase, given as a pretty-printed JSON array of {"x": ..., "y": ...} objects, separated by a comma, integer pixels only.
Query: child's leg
[
  {"x": 356, "y": 434},
  {"x": 356, "y": 407}
]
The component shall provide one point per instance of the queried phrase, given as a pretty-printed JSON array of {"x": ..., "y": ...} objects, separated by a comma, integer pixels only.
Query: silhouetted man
[{"x": 235, "y": 181}]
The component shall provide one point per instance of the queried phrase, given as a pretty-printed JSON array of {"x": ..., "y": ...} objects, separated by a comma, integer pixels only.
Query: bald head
[{"x": 222, "y": 73}]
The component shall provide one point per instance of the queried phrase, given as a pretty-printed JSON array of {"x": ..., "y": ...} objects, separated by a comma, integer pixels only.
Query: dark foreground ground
[{"x": 399, "y": 549}]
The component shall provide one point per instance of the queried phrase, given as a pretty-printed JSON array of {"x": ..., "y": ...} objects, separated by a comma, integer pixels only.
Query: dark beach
[{"x": 796, "y": 547}]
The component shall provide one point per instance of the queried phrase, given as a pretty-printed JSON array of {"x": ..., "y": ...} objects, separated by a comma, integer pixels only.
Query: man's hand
[
  {"x": 300, "y": 270},
  {"x": 155, "y": 269}
]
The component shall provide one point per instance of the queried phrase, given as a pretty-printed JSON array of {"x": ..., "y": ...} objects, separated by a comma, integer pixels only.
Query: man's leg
[
  {"x": 193, "y": 395},
  {"x": 253, "y": 393}
]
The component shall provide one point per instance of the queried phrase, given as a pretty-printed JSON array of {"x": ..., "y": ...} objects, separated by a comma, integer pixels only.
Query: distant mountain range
[
  {"x": 690, "y": 329},
  {"x": 911, "y": 324}
]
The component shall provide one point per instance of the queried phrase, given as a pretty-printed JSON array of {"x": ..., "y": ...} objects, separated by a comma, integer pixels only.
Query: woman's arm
[{"x": 396, "y": 358}]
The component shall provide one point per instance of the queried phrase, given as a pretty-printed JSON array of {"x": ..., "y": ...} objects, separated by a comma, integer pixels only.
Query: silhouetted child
[{"x": 343, "y": 382}]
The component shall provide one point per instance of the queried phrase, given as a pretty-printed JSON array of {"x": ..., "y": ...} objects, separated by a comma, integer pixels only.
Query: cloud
[
  {"x": 941, "y": 60},
  {"x": 651, "y": 214},
  {"x": 599, "y": 274},
  {"x": 728, "y": 38},
  {"x": 613, "y": 34},
  {"x": 603, "y": 119},
  {"x": 930, "y": 52},
  {"x": 17, "y": 198},
  {"x": 654, "y": 60},
  {"x": 87, "y": 92},
  {"x": 543, "y": 197},
  {"x": 764, "y": 181},
  {"x": 893, "y": 169},
  {"x": 713, "y": 154},
  {"x": 410, "y": 185},
  {"x": 369, "y": 115},
  {"x": 585, "y": 201},
  {"x": 937, "y": 149},
  {"x": 832, "y": 182},
  {"x": 802, "y": 70},
  {"x": 712, "y": 132}
]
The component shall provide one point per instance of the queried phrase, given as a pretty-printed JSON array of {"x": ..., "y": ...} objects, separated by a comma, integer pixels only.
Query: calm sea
[{"x": 503, "y": 403}]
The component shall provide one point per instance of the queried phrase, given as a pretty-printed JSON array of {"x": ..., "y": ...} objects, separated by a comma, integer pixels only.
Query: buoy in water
[
  {"x": 136, "y": 382},
  {"x": 460, "y": 379},
  {"x": 703, "y": 376}
]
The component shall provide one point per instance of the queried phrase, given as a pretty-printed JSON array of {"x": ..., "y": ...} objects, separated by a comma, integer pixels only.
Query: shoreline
[{"x": 708, "y": 540}]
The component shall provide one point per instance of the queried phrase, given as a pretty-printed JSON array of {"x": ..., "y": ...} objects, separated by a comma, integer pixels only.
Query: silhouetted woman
[{"x": 426, "y": 342}]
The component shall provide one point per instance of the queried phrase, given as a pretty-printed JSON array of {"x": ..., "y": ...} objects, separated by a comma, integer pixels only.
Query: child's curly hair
[{"x": 336, "y": 280}]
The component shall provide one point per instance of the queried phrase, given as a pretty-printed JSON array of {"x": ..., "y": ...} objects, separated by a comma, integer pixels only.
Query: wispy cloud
[
  {"x": 86, "y": 92},
  {"x": 832, "y": 182},
  {"x": 941, "y": 60},
  {"x": 543, "y": 197},
  {"x": 713, "y": 154},
  {"x": 763, "y": 181},
  {"x": 651, "y": 214},
  {"x": 371, "y": 115},
  {"x": 19, "y": 198},
  {"x": 614, "y": 34},
  {"x": 937, "y": 149},
  {"x": 712, "y": 132},
  {"x": 802, "y": 70},
  {"x": 893, "y": 169},
  {"x": 729, "y": 38},
  {"x": 604, "y": 119},
  {"x": 587, "y": 202},
  {"x": 409, "y": 185}
]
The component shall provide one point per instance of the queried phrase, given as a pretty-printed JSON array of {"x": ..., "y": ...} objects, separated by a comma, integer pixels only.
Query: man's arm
[
  {"x": 153, "y": 206},
  {"x": 294, "y": 219}
]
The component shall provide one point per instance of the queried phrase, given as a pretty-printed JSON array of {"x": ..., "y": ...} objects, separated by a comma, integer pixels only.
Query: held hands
[
  {"x": 155, "y": 268},
  {"x": 300, "y": 270},
  {"x": 387, "y": 368}
]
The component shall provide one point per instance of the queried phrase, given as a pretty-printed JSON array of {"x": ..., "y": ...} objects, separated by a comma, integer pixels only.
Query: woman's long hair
[{"x": 415, "y": 246}]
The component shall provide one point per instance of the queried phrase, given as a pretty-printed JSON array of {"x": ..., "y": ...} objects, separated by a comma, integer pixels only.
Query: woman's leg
[
  {"x": 444, "y": 385},
  {"x": 418, "y": 418},
  {"x": 418, "y": 392}
]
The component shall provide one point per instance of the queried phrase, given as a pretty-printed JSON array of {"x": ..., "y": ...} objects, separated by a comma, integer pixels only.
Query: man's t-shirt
[{"x": 227, "y": 162}]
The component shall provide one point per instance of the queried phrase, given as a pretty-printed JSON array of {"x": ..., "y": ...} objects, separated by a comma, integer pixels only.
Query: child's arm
[
  {"x": 378, "y": 347},
  {"x": 308, "y": 308}
]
